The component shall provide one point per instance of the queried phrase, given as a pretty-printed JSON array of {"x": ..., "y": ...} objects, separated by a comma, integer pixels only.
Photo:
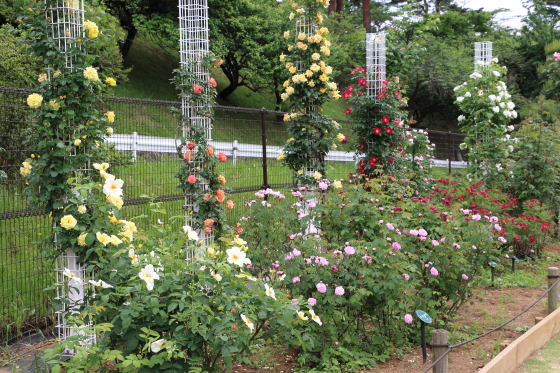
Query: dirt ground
[{"x": 498, "y": 305}]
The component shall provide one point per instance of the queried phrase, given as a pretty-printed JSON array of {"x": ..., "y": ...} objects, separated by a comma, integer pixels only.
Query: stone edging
[{"x": 515, "y": 354}]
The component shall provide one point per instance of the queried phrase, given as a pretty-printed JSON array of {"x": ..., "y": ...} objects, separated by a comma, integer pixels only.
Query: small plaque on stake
[
  {"x": 423, "y": 316},
  {"x": 493, "y": 264},
  {"x": 514, "y": 257}
]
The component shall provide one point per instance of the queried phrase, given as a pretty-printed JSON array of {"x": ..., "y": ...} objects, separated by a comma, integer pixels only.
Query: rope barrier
[{"x": 450, "y": 347}]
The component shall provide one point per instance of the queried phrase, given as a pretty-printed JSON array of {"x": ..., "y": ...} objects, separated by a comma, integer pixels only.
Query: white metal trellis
[
  {"x": 482, "y": 54},
  {"x": 66, "y": 18},
  {"x": 375, "y": 62},
  {"x": 193, "y": 47},
  {"x": 307, "y": 26}
]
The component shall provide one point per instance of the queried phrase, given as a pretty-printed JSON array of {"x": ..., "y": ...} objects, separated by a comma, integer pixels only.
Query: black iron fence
[{"x": 142, "y": 153}]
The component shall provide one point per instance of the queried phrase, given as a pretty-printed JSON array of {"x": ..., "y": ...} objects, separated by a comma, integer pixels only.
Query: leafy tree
[{"x": 248, "y": 34}]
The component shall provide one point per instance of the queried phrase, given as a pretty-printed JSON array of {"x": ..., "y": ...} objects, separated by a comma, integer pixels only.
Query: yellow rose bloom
[
  {"x": 284, "y": 96},
  {"x": 34, "y": 100},
  {"x": 300, "y": 172},
  {"x": 286, "y": 84},
  {"x": 117, "y": 201},
  {"x": 77, "y": 142},
  {"x": 90, "y": 73},
  {"x": 290, "y": 140},
  {"x": 294, "y": 5},
  {"x": 322, "y": 64},
  {"x": 325, "y": 50},
  {"x": 309, "y": 73},
  {"x": 332, "y": 86},
  {"x": 282, "y": 57},
  {"x": 68, "y": 222},
  {"x": 42, "y": 78},
  {"x": 317, "y": 175},
  {"x": 327, "y": 70},
  {"x": 103, "y": 238},
  {"x": 55, "y": 106},
  {"x": 300, "y": 10},
  {"x": 129, "y": 226},
  {"x": 290, "y": 48},
  {"x": 101, "y": 166},
  {"x": 290, "y": 91},
  {"x": 301, "y": 36},
  {"x": 337, "y": 184},
  {"x": 82, "y": 209},
  {"x": 127, "y": 236},
  {"x": 314, "y": 67},
  {"x": 315, "y": 56},
  {"x": 323, "y": 77},
  {"x": 319, "y": 18},
  {"x": 82, "y": 239},
  {"x": 322, "y": 90},
  {"x": 286, "y": 117},
  {"x": 323, "y": 31},
  {"x": 222, "y": 180},
  {"x": 302, "y": 46},
  {"x": 334, "y": 146},
  {"x": 110, "y": 116},
  {"x": 57, "y": 73},
  {"x": 311, "y": 83},
  {"x": 293, "y": 115},
  {"x": 292, "y": 70},
  {"x": 291, "y": 16},
  {"x": 326, "y": 43},
  {"x": 115, "y": 240},
  {"x": 109, "y": 131},
  {"x": 286, "y": 34},
  {"x": 281, "y": 156},
  {"x": 26, "y": 169},
  {"x": 111, "y": 81}
]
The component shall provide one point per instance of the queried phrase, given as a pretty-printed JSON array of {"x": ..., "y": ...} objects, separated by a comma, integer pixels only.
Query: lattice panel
[
  {"x": 375, "y": 62},
  {"x": 66, "y": 20},
  {"x": 482, "y": 54}
]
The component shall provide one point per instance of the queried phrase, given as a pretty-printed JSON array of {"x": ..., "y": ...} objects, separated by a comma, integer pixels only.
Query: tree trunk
[
  {"x": 339, "y": 5},
  {"x": 366, "y": 15},
  {"x": 332, "y": 6},
  {"x": 227, "y": 91},
  {"x": 125, "y": 48}
]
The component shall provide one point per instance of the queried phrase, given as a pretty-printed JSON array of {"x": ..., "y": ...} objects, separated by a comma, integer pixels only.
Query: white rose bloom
[
  {"x": 498, "y": 98},
  {"x": 496, "y": 109},
  {"x": 158, "y": 345},
  {"x": 467, "y": 94},
  {"x": 460, "y": 99},
  {"x": 481, "y": 93},
  {"x": 237, "y": 256},
  {"x": 461, "y": 118},
  {"x": 495, "y": 59},
  {"x": 113, "y": 187},
  {"x": 514, "y": 114},
  {"x": 510, "y": 105},
  {"x": 496, "y": 73},
  {"x": 457, "y": 88},
  {"x": 492, "y": 98},
  {"x": 510, "y": 148},
  {"x": 502, "y": 105}
]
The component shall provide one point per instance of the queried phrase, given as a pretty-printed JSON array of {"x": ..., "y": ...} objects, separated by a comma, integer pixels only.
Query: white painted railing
[{"x": 136, "y": 143}]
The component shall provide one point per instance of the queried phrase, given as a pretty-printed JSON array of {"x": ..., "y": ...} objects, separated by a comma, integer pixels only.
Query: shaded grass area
[{"x": 547, "y": 360}]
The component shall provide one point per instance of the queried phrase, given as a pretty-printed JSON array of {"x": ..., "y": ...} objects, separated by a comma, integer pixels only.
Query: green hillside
[{"x": 152, "y": 68}]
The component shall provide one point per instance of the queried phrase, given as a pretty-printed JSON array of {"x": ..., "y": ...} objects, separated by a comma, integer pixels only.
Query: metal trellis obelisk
[
  {"x": 482, "y": 54},
  {"x": 66, "y": 19},
  {"x": 194, "y": 46},
  {"x": 375, "y": 62}
]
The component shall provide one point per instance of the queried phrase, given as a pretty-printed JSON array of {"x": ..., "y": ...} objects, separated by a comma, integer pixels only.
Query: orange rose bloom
[
  {"x": 207, "y": 196},
  {"x": 220, "y": 196},
  {"x": 222, "y": 180},
  {"x": 208, "y": 222},
  {"x": 229, "y": 204},
  {"x": 207, "y": 230},
  {"x": 210, "y": 150},
  {"x": 188, "y": 156},
  {"x": 222, "y": 157}
]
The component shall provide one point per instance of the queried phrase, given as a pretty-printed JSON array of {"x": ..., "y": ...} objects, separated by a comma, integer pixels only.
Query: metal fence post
[
  {"x": 449, "y": 154},
  {"x": 134, "y": 145},
  {"x": 234, "y": 152},
  {"x": 553, "y": 293},
  {"x": 264, "y": 159}
]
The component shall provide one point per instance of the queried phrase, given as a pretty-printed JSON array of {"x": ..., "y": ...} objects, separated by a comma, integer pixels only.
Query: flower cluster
[
  {"x": 198, "y": 177},
  {"x": 488, "y": 111},
  {"x": 309, "y": 87},
  {"x": 378, "y": 124}
]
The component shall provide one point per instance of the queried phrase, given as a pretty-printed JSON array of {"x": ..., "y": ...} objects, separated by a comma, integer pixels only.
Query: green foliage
[
  {"x": 551, "y": 69},
  {"x": 17, "y": 69}
]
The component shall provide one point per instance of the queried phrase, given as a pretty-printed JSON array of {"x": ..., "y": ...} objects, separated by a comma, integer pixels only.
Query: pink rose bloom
[
  {"x": 396, "y": 246},
  {"x": 413, "y": 232},
  {"x": 422, "y": 232},
  {"x": 312, "y": 301},
  {"x": 502, "y": 240},
  {"x": 296, "y": 252},
  {"x": 390, "y": 226},
  {"x": 406, "y": 277},
  {"x": 434, "y": 271},
  {"x": 435, "y": 243},
  {"x": 408, "y": 318},
  {"x": 339, "y": 290},
  {"x": 456, "y": 245},
  {"x": 497, "y": 227},
  {"x": 349, "y": 250},
  {"x": 295, "y": 302},
  {"x": 323, "y": 185},
  {"x": 197, "y": 89},
  {"x": 321, "y": 288},
  {"x": 295, "y": 280},
  {"x": 191, "y": 179},
  {"x": 476, "y": 217},
  {"x": 465, "y": 277}
]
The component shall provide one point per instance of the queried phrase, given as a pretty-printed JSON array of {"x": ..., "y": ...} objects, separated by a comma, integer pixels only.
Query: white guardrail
[{"x": 136, "y": 143}]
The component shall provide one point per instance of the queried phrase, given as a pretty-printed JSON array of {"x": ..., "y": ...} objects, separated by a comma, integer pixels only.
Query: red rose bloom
[
  {"x": 377, "y": 131},
  {"x": 385, "y": 120}
]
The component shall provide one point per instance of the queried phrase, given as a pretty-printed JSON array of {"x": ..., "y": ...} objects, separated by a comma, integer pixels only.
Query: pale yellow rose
[
  {"x": 26, "y": 169},
  {"x": 109, "y": 131},
  {"x": 34, "y": 100},
  {"x": 117, "y": 201},
  {"x": 101, "y": 166},
  {"x": 55, "y": 106},
  {"x": 82, "y": 239},
  {"x": 110, "y": 116},
  {"x": 77, "y": 142},
  {"x": 111, "y": 81},
  {"x": 315, "y": 56},
  {"x": 82, "y": 209},
  {"x": 282, "y": 57},
  {"x": 301, "y": 36},
  {"x": 281, "y": 156},
  {"x": 317, "y": 175},
  {"x": 311, "y": 83},
  {"x": 68, "y": 222},
  {"x": 42, "y": 78},
  {"x": 90, "y": 73},
  {"x": 286, "y": 34},
  {"x": 337, "y": 184},
  {"x": 103, "y": 238},
  {"x": 290, "y": 90}
]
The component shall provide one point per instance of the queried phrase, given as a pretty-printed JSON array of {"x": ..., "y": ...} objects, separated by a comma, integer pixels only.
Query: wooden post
[
  {"x": 553, "y": 293},
  {"x": 439, "y": 337}
]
